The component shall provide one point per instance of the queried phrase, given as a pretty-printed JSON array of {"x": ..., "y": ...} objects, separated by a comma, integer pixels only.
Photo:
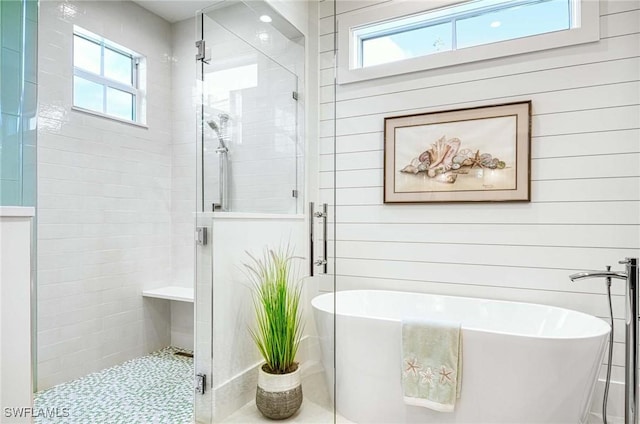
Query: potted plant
[{"x": 278, "y": 331}]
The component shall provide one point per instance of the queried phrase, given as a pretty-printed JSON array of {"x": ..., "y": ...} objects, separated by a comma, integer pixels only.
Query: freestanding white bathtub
[{"x": 522, "y": 363}]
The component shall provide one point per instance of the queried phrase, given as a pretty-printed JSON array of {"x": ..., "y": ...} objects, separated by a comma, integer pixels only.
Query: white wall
[
  {"x": 183, "y": 151},
  {"x": 183, "y": 175},
  {"x": 15, "y": 313},
  {"x": 585, "y": 207},
  {"x": 104, "y": 201},
  {"x": 296, "y": 12}
]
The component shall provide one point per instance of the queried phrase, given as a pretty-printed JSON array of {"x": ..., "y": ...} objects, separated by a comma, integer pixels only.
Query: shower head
[{"x": 212, "y": 124}]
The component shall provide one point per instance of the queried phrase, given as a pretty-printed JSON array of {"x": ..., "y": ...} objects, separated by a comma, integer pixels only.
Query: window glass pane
[
  {"x": 86, "y": 55},
  {"x": 407, "y": 44},
  {"x": 514, "y": 22},
  {"x": 118, "y": 66},
  {"x": 119, "y": 104},
  {"x": 87, "y": 94}
]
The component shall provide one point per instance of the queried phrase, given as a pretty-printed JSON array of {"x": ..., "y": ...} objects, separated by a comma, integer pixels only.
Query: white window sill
[{"x": 105, "y": 116}]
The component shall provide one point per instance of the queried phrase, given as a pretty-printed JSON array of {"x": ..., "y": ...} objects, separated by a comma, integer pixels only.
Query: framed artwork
[{"x": 480, "y": 154}]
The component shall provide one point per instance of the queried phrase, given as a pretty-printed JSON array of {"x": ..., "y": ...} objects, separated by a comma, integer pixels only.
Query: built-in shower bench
[
  {"x": 181, "y": 294},
  {"x": 180, "y": 313}
]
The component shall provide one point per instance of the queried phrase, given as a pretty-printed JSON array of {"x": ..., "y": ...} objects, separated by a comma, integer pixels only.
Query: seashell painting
[{"x": 444, "y": 157}]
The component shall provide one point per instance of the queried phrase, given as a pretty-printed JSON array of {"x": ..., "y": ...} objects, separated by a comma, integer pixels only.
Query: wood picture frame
[{"x": 479, "y": 154}]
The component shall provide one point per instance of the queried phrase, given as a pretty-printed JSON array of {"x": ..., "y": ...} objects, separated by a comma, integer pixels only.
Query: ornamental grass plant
[{"x": 276, "y": 300}]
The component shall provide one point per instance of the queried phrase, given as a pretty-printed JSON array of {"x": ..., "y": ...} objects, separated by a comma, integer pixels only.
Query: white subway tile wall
[
  {"x": 585, "y": 206},
  {"x": 183, "y": 151},
  {"x": 104, "y": 203}
]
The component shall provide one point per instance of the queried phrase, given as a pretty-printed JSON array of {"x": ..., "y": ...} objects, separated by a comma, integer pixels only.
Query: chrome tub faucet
[{"x": 631, "y": 339}]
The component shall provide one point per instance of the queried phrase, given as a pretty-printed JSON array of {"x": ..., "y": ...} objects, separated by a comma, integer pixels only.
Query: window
[
  {"x": 106, "y": 78},
  {"x": 374, "y": 41}
]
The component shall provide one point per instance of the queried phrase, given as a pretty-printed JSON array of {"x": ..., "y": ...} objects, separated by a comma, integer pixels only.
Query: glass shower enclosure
[
  {"x": 251, "y": 155},
  {"x": 251, "y": 197}
]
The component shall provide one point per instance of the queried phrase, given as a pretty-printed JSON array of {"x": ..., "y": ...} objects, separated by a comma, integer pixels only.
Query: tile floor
[
  {"x": 154, "y": 389},
  {"x": 157, "y": 389}
]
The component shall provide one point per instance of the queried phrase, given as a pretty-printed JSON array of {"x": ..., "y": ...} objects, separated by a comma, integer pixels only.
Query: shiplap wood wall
[{"x": 585, "y": 169}]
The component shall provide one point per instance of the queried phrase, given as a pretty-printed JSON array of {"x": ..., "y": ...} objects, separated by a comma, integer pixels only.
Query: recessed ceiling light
[
  {"x": 495, "y": 24},
  {"x": 265, "y": 18}
]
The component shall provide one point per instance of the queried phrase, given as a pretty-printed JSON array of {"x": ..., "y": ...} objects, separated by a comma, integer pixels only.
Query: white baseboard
[{"x": 615, "y": 404}]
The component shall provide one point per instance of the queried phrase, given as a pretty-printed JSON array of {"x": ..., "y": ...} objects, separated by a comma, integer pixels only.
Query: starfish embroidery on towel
[
  {"x": 426, "y": 377},
  {"x": 445, "y": 375},
  {"x": 412, "y": 366}
]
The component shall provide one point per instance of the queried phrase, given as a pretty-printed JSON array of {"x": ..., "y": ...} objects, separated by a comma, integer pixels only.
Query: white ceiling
[{"x": 175, "y": 10}]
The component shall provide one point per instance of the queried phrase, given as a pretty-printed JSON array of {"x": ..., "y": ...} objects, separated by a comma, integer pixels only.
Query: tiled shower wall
[
  {"x": 183, "y": 151},
  {"x": 18, "y": 78},
  {"x": 585, "y": 170},
  {"x": 104, "y": 201}
]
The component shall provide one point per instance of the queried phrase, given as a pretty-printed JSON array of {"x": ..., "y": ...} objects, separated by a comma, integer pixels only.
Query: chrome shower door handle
[
  {"x": 311, "y": 238},
  {"x": 324, "y": 215},
  {"x": 320, "y": 261}
]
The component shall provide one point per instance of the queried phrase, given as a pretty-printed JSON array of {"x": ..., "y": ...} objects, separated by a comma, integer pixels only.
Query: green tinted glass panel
[
  {"x": 118, "y": 67},
  {"x": 86, "y": 54},
  {"x": 88, "y": 95},
  {"x": 119, "y": 104}
]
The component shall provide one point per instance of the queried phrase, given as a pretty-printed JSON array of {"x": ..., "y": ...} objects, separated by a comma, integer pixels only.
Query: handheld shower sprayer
[
  {"x": 223, "y": 160},
  {"x": 223, "y": 146}
]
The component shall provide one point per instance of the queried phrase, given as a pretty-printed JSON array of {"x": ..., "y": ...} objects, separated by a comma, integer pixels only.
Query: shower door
[{"x": 250, "y": 199}]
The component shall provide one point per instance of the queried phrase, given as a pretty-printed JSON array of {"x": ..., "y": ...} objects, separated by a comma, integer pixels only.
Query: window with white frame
[
  {"x": 373, "y": 42},
  {"x": 106, "y": 78}
]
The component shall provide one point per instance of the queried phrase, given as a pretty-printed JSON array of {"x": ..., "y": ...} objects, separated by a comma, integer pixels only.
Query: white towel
[{"x": 431, "y": 364}]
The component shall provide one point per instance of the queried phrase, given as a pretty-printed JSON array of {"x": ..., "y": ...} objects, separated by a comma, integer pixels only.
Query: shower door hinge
[
  {"x": 203, "y": 54},
  {"x": 294, "y": 193},
  {"x": 201, "y": 383},
  {"x": 201, "y": 236},
  {"x": 294, "y": 94}
]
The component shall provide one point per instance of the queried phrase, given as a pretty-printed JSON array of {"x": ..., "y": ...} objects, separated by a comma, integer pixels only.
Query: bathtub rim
[{"x": 606, "y": 329}]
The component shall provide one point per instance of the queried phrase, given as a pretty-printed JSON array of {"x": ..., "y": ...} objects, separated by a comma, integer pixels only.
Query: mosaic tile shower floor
[{"x": 153, "y": 389}]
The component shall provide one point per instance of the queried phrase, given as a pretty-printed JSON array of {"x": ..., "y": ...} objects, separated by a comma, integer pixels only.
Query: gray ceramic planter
[{"x": 278, "y": 396}]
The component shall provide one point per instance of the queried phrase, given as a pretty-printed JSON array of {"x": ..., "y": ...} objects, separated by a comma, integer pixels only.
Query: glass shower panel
[
  {"x": 250, "y": 187},
  {"x": 203, "y": 358},
  {"x": 18, "y": 79},
  {"x": 250, "y": 113}
]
